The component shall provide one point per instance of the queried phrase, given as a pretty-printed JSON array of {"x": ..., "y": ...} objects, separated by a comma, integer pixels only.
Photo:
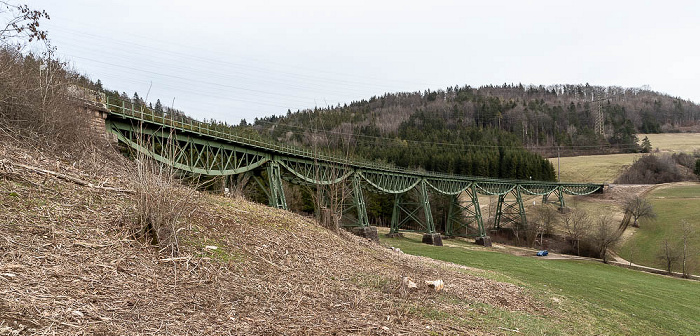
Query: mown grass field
[
  {"x": 672, "y": 205},
  {"x": 588, "y": 297},
  {"x": 674, "y": 142},
  {"x": 593, "y": 168},
  {"x": 606, "y": 168}
]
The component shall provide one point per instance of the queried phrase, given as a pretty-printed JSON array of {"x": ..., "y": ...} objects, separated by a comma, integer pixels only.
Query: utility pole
[
  {"x": 599, "y": 120},
  {"x": 558, "y": 165}
]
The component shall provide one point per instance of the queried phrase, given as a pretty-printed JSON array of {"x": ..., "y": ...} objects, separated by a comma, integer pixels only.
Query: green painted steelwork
[
  {"x": 200, "y": 148},
  {"x": 408, "y": 212},
  {"x": 359, "y": 201},
  {"x": 510, "y": 211},
  {"x": 461, "y": 218},
  {"x": 559, "y": 192},
  {"x": 277, "y": 199}
]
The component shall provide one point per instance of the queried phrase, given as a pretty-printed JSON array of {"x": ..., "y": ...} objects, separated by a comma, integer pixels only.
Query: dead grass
[
  {"x": 606, "y": 168},
  {"x": 69, "y": 267},
  {"x": 593, "y": 168},
  {"x": 674, "y": 142}
]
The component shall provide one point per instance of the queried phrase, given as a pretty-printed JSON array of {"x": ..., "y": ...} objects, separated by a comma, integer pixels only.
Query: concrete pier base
[
  {"x": 484, "y": 241},
  {"x": 432, "y": 239},
  {"x": 369, "y": 232}
]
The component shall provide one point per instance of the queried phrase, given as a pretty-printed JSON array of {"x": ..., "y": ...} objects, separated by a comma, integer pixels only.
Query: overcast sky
[{"x": 229, "y": 60}]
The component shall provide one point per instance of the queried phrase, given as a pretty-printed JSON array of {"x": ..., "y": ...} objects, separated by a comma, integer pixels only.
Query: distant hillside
[
  {"x": 496, "y": 131},
  {"x": 540, "y": 118}
]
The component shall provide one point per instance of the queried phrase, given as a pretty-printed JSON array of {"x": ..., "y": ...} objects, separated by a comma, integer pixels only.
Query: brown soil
[{"x": 70, "y": 266}]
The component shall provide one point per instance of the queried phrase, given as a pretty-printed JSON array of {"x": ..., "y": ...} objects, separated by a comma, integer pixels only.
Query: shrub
[
  {"x": 652, "y": 169},
  {"x": 161, "y": 203}
]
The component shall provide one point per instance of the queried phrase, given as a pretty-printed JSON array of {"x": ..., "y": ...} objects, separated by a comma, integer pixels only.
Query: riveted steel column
[
  {"x": 395, "y": 215},
  {"x": 274, "y": 175},
  {"x": 560, "y": 194},
  {"x": 499, "y": 211},
  {"x": 521, "y": 207},
  {"x": 452, "y": 214},
  {"x": 477, "y": 212},
  {"x": 429, "y": 224},
  {"x": 359, "y": 201}
]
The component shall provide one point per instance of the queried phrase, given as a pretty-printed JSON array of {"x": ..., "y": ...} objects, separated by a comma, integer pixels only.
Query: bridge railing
[
  {"x": 203, "y": 128},
  {"x": 208, "y": 129}
]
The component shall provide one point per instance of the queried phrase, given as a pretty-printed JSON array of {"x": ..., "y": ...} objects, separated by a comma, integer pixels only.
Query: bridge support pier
[
  {"x": 359, "y": 202},
  {"x": 484, "y": 241},
  {"x": 432, "y": 239},
  {"x": 510, "y": 211},
  {"x": 427, "y": 226},
  {"x": 460, "y": 217},
  {"x": 274, "y": 176},
  {"x": 560, "y": 198}
]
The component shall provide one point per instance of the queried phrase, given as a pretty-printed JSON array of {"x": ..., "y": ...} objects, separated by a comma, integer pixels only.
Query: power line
[
  {"x": 287, "y": 66},
  {"x": 444, "y": 143}
]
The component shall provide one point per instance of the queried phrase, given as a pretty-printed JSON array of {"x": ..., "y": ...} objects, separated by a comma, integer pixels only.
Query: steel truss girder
[
  {"x": 201, "y": 150},
  {"x": 358, "y": 200},
  {"x": 274, "y": 176},
  {"x": 580, "y": 189},
  {"x": 460, "y": 216},
  {"x": 449, "y": 186},
  {"x": 391, "y": 183},
  {"x": 194, "y": 155},
  {"x": 495, "y": 188},
  {"x": 427, "y": 225},
  {"x": 316, "y": 172},
  {"x": 384, "y": 179},
  {"x": 560, "y": 197},
  {"x": 510, "y": 211}
]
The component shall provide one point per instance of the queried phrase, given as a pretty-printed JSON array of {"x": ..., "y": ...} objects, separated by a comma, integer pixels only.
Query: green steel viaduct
[{"x": 204, "y": 150}]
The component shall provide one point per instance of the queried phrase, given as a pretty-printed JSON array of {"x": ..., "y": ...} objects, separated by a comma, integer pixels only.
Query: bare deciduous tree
[
  {"x": 638, "y": 207},
  {"x": 576, "y": 223},
  {"x": 542, "y": 223},
  {"x": 604, "y": 235},
  {"x": 668, "y": 254},
  {"x": 687, "y": 233},
  {"x": 23, "y": 23}
]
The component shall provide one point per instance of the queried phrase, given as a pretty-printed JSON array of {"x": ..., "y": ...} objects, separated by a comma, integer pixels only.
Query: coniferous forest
[{"x": 495, "y": 131}]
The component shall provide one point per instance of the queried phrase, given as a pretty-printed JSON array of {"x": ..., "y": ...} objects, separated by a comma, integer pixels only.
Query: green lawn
[
  {"x": 672, "y": 205},
  {"x": 593, "y": 298}
]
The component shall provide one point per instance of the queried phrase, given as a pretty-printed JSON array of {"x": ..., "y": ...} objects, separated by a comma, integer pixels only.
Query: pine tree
[
  {"x": 159, "y": 107},
  {"x": 646, "y": 145}
]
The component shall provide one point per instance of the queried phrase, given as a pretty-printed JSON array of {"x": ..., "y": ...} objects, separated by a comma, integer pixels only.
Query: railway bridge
[{"x": 204, "y": 149}]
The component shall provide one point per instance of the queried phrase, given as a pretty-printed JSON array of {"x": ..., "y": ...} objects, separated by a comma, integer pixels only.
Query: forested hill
[{"x": 482, "y": 131}]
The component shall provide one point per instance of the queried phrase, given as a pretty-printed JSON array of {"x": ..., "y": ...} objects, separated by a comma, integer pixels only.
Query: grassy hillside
[
  {"x": 606, "y": 168},
  {"x": 672, "y": 206},
  {"x": 591, "y": 297},
  {"x": 674, "y": 142},
  {"x": 593, "y": 168}
]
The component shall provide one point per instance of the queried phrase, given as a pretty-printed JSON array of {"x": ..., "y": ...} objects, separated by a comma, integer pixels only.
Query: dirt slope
[{"x": 69, "y": 266}]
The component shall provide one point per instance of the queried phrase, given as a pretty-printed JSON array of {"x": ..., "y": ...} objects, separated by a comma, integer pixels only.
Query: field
[
  {"x": 593, "y": 168},
  {"x": 674, "y": 142},
  {"x": 606, "y": 168},
  {"x": 592, "y": 298},
  {"x": 672, "y": 205}
]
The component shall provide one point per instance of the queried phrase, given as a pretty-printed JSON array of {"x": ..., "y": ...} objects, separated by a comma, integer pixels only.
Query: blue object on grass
[{"x": 542, "y": 253}]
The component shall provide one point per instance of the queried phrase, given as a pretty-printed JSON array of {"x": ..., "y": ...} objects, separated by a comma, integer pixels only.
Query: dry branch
[{"x": 68, "y": 178}]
